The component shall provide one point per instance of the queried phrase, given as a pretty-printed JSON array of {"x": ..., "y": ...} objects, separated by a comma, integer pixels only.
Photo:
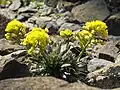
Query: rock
[
  {"x": 45, "y": 11},
  {"x": 27, "y": 9},
  {"x": 113, "y": 23},
  {"x": 41, "y": 83},
  {"x": 114, "y": 38},
  {"x": 30, "y": 25},
  {"x": 67, "y": 5},
  {"x": 113, "y": 2},
  {"x": 14, "y": 69},
  {"x": 6, "y": 47},
  {"x": 52, "y": 27},
  {"x": 91, "y": 10},
  {"x": 113, "y": 6},
  {"x": 61, "y": 20},
  {"x": 64, "y": 17},
  {"x": 16, "y": 4},
  {"x": 117, "y": 58},
  {"x": 96, "y": 64},
  {"x": 19, "y": 55},
  {"x": 32, "y": 19},
  {"x": 25, "y": 2},
  {"x": 51, "y": 3},
  {"x": 24, "y": 16},
  {"x": 109, "y": 51},
  {"x": 107, "y": 77},
  {"x": 3, "y": 22},
  {"x": 41, "y": 21},
  {"x": 8, "y": 13},
  {"x": 72, "y": 26}
]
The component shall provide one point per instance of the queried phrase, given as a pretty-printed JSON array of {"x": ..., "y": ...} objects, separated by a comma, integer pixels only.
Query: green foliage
[
  {"x": 55, "y": 58},
  {"x": 56, "y": 62}
]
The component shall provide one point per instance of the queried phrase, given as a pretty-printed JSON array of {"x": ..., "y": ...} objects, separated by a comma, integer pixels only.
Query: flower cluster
[
  {"x": 97, "y": 28},
  {"x": 92, "y": 32},
  {"x": 36, "y": 38},
  {"x": 15, "y": 30},
  {"x": 83, "y": 37},
  {"x": 66, "y": 33}
]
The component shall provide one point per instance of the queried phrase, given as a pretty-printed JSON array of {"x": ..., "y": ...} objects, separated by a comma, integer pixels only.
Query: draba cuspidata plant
[
  {"x": 54, "y": 57},
  {"x": 93, "y": 32}
]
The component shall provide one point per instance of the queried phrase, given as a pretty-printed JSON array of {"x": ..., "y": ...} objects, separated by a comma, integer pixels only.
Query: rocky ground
[{"x": 103, "y": 67}]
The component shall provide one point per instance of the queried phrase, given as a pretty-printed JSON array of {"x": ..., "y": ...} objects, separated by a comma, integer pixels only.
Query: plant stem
[{"x": 81, "y": 53}]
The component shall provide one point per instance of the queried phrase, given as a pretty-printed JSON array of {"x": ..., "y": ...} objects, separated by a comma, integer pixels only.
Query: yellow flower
[
  {"x": 15, "y": 29},
  {"x": 36, "y": 38},
  {"x": 83, "y": 36},
  {"x": 98, "y": 28},
  {"x": 66, "y": 33}
]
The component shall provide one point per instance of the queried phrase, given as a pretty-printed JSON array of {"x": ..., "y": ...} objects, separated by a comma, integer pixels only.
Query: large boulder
[
  {"x": 113, "y": 23},
  {"x": 14, "y": 69},
  {"x": 107, "y": 77},
  {"x": 113, "y": 5},
  {"x": 91, "y": 10},
  {"x": 41, "y": 83},
  {"x": 11, "y": 57}
]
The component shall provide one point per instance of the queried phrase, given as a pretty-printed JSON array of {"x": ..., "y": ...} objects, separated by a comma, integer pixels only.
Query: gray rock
[
  {"x": 42, "y": 83},
  {"x": 16, "y": 4},
  {"x": 113, "y": 23},
  {"x": 45, "y": 11},
  {"x": 17, "y": 54},
  {"x": 61, "y": 20},
  {"x": 51, "y": 3},
  {"x": 72, "y": 26},
  {"x": 27, "y": 9},
  {"x": 3, "y": 23},
  {"x": 6, "y": 47},
  {"x": 113, "y": 2},
  {"x": 25, "y": 2},
  {"x": 52, "y": 27},
  {"x": 107, "y": 77},
  {"x": 42, "y": 20},
  {"x": 8, "y": 13},
  {"x": 32, "y": 19},
  {"x": 64, "y": 17},
  {"x": 96, "y": 64},
  {"x": 117, "y": 58},
  {"x": 113, "y": 6},
  {"x": 109, "y": 51},
  {"x": 91, "y": 10},
  {"x": 30, "y": 25},
  {"x": 14, "y": 69},
  {"x": 24, "y": 16}
]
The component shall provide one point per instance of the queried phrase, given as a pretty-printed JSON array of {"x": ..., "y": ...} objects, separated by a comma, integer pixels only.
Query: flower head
[
  {"x": 83, "y": 36},
  {"x": 36, "y": 38},
  {"x": 15, "y": 29},
  {"x": 98, "y": 28},
  {"x": 66, "y": 33}
]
